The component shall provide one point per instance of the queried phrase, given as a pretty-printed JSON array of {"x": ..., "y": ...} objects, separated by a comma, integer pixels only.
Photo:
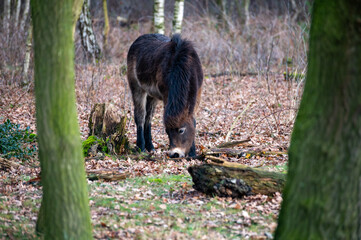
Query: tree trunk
[
  {"x": 159, "y": 16},
  {"x": 17, "y": 13},
  {"x": 87, "y": 36},
  {"x": 227, "y": 179},
  {"x": 106, "y": 25},
  {"x": 64, "y": 212},
  {"x": 25, "y": 15},
  {"x": 323, "y": 190},
  {"x": 6, "y": 20},
  {"x": 106, "y": 123},
  {"x": 28, "y": 48},
  {"x": 178, "y": 16}
]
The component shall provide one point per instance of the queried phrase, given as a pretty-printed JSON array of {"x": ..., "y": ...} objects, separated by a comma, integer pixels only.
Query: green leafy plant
[{"x": 16, "y": 142}]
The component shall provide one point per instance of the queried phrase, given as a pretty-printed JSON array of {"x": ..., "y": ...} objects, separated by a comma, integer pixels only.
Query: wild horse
[{"x": 168, "y": 70}]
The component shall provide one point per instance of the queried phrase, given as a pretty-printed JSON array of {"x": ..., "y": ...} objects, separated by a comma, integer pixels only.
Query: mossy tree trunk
[
  {"x": 159, "y": 26},
  {"x": 323, "y": 188},
  {"x": 64, "y": 210},
  {"x": 178, "y": 16}
]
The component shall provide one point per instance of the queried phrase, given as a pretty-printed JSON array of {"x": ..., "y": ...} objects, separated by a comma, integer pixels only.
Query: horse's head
[{"x": 181, "y": 138}]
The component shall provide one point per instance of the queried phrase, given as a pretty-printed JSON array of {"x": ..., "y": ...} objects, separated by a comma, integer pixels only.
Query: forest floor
[{"x": 157, "y": 200}]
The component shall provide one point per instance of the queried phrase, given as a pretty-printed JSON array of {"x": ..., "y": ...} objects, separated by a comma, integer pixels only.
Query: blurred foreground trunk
[
  {"x": 321, "y": 199},
  {"x": 64, "y": 211}
]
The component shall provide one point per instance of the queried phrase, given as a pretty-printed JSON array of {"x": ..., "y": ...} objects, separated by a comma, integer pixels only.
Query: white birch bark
[
  {"x": 87, "y": 35},
  {"x": 178, "y": 16},
  {"x": 159, "y": 16},
  {"x": 17, "y": 13},
  {"x": 29, "y": 41},
  {"x": 25, "y": 15}
]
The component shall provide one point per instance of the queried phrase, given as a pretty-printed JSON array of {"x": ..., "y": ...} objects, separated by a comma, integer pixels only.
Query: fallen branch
[
  {"x": 7, "y": 164},
  {"x": 232, "y": 143},
  {"x": 238, "y": 153},
  {"x": 106, "y": 174}
]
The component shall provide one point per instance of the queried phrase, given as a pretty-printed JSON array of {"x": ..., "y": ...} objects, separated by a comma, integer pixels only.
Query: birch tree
[
  {"x": 87, "y": 35},
  {"x": 159, "y": 26},
  {"x": 64, "y": 212},
  {"x": 17, "y": 13},
  {"x": 178, "y": 16},
  {"x": 24, "y": 15},
  {"x": 321, "y": 199}
]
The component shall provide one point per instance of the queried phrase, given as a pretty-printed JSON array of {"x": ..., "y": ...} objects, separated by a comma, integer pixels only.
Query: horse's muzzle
[{"x": 176, "y": 153}]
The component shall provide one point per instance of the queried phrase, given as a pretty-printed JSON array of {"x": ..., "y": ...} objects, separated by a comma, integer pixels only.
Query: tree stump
[
  {"x": 227, "y": 179},
  {"x": 106, "y": 123}
]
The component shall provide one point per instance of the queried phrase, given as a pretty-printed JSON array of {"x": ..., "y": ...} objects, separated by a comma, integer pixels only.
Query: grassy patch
[{"x": 158, "y": 206}]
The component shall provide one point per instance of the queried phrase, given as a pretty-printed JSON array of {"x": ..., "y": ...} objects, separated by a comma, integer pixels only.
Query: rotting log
[
  {"x": 106, "y": 174},
  {"x": 227, "y": 179}
]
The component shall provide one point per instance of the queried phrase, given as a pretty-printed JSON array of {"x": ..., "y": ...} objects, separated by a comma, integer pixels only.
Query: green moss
[{"x": 92, "y": 140}]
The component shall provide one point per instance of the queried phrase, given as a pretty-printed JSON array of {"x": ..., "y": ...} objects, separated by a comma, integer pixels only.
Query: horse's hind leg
[
  {"x": 150, "y": 106},
  {"x": 139, "y": 100}
]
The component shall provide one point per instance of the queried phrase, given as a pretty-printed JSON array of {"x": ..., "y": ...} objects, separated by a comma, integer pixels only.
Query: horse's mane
[{"x": 179, "y": 82}]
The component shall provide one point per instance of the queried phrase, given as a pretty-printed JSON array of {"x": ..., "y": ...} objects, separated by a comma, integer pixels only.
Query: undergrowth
[{"x": 16, "y": 142}]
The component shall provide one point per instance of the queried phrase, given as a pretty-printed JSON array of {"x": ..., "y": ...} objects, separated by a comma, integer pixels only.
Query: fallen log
[
  {"x": 98, "y": 174},
  {"x": 227, "y": 179},
  {"x": 106, "y": 174}
]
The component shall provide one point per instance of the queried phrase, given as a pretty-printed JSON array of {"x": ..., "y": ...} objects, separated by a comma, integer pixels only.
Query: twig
[
  {"x": 236, "y": 120},
  {"x": 232, "y": 143}
]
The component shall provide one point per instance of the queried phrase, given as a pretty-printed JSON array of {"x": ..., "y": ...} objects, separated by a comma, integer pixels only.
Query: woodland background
[{"x": 254, "y": 74}]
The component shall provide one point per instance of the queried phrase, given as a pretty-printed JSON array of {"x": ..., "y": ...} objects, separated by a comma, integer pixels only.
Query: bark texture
[
  {"x": 64, "y": 212},
  {"x": 227, "y": 179},
  {"x": 88, "y": 39},
  {"x": 106, "y": 123},
  {"x": 159, "y": 26},
  {"x": 323, "y": 190},
  {"x": 106, "y": 25},
  {"x": 178, "y": 16}
]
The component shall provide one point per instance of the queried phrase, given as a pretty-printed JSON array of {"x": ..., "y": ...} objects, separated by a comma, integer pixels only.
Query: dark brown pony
[{"x": 168, "y": 70}]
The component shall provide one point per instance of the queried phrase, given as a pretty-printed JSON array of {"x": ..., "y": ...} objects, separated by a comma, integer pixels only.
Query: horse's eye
[{"x": 181, "y": 130}]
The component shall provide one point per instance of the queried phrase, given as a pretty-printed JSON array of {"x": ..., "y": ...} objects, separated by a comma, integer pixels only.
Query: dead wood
[
  {"x": 238, "y": 153},
  {"x": 232, "y": 143},
  {"x": 107, "y": 174},
  {"x": 106, "y": 123},
  {"x": 226, "y": 179},
  {"x": 7, "y": 164}
]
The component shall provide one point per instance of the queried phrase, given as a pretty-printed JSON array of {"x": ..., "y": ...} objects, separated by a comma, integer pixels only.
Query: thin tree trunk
[
  {"x": 322, "y": 196},
  {"x": 246, "y": 12},
  {"x": 17, "y": 13},
  {"x": 64, "y": 212},
  {"x": 87, "y": 35},
  {"x": 178, "y": 16},
  {"x": 25, "y": 15},
  {"x": 6, "y": 23},
  {"x": 159, "y": 16},
  {"x": 106, "y": 25},
  {"x": 29, "y": 41}
]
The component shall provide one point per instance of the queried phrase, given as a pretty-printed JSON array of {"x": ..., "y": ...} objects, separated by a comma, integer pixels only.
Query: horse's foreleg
[
  {"x": 192, "y": 151},
  {"x": 150, "y": 106},
  {"x": 139, "y": 99}
]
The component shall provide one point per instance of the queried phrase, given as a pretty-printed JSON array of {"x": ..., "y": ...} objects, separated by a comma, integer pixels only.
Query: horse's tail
[{"x": 178, "y": 81}]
